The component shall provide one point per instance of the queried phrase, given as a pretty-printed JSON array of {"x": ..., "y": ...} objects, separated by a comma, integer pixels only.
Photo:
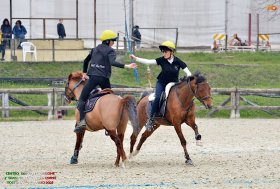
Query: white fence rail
[{"x": 53, "y": 93}]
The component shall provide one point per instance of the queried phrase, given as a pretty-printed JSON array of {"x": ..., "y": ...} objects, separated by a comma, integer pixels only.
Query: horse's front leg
[
  {"x": 78, "y": 146},
  {"x": 190, "y": 120},
  {"x": 183, "y": 141}
]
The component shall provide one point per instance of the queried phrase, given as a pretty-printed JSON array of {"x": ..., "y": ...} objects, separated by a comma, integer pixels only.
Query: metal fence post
[
  {"x": 237, "y": 102},
  {"x": 55, "y": 105},
  {"x": 232, "y": 98},
  {"x": 5, "y": 104},
  {"x": 124, "y": 44},
  {"x": 50, "y": 115}
]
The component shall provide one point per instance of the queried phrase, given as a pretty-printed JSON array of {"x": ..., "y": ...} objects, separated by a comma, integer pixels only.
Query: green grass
[{"x": 223, "y": 70}]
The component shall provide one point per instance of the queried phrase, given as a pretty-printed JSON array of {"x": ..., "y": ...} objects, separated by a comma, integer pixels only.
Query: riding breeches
[
  {"x": 159, "y": 89},
  {"x": 92, "y": 83}
]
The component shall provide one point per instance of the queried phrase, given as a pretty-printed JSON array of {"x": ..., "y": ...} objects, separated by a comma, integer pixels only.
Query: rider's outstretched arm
[{"x": 143, "y": 60}]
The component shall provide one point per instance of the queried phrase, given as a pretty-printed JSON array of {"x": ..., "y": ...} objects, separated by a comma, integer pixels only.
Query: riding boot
[
  {"x": 81, "y": 126},
  {"x": 150, "y": 123}
]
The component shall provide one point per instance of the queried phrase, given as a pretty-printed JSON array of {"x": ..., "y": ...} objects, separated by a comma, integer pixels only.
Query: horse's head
[
  {"x": 74, "y": 82},
  {"x": 202, "y": 90}
]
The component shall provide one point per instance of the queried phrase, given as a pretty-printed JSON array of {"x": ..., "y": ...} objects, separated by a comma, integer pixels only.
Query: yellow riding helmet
[
  {"x": 167, "y": 45},
  {"x": 108, "y": 35}
]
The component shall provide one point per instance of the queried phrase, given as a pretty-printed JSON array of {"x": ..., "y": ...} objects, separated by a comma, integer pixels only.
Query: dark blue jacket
[
  {"x": 17, "y": 31},
  {"x": 61, "y": 30},
  {"x": 136, "y": 34},
  {"x": 6, "y": 31}
]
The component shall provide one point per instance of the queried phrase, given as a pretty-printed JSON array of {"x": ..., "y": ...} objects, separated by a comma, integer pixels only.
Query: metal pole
[
  {"x": 226, "y": 24},
  {"x": 94, "y": 29},
  {"x": 130, "y": 14},
  {"x": 258, "y": 30},
  {"x": 77, "y": 19},
  {"x": 30, "y": 15},
  {"x": 11, "y": 17},
  {"x": 176, "y": 40},
  {"x": 250, "y": 29},
  {"x": 11, "y": 12},
  {"x": 44, "y": 28},
  {"x": 53, "y": 51}
]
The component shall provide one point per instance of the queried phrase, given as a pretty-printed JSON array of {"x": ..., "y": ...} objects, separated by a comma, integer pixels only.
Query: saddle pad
[
  {"x": 167, "y": 90},
  {"x": 93, "y": 99},
  {"x": 90, "y": 104}
]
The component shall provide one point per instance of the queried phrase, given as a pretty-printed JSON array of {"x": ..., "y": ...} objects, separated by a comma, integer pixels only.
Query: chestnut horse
[
  {"x": 111, "y": 113},
  {"x": 180, "y": 108}
]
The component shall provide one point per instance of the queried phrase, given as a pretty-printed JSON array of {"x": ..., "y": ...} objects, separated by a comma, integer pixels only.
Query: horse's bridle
[
  {"x": 71, "y": 96},
  {"x": 194, "y": 93}
]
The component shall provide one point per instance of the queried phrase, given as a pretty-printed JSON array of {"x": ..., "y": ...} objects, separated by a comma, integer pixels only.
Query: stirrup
[
  {"x": 149, "y": 124},
  {"x": 81, "y": 126}
]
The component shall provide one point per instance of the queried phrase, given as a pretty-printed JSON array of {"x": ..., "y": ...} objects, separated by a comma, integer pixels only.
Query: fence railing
[{"x": 53, "y": 106}]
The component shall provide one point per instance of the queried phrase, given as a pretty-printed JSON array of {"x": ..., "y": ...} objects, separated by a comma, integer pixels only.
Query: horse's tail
[
  {"x": 130, "y": 106},
  {"x": 145, "y": 93}
]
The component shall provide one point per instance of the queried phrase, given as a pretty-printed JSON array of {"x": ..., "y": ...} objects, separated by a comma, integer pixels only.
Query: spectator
[
  {"x": 1, "y": 46},
  {"x": 19, "y": 32},
  {"x": 6, "y": 32},
  {"x": 215, "y": 46},
  {"x": 235, "y": 40},
  {"x": 60, "y": 29},
  {"x": 136, "y": 36}
]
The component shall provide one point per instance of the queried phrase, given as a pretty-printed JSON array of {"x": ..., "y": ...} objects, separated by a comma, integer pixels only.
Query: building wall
[{"x": 197, "y": 20}]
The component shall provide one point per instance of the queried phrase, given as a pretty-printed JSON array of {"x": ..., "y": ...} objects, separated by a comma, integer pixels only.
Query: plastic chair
[{"x": 28, "y": 47}]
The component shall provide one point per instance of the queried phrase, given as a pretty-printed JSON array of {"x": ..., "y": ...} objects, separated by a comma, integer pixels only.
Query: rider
[
  {"x": 101, "y": 59},
  {"x": 170, "y": 66}
]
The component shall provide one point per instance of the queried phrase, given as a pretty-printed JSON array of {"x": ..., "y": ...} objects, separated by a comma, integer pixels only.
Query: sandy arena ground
[{"x": 237, "y": 153}]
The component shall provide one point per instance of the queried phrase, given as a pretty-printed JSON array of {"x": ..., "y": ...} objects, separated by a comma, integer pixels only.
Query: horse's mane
[
  {"x": 75, "y": 76},
  {"x": 197, "y": 75}
]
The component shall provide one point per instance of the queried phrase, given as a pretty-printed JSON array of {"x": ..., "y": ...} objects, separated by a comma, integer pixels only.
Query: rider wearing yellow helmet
[
  {"x": 170, "y": 66},
  {"x": 98, "y": 73}
]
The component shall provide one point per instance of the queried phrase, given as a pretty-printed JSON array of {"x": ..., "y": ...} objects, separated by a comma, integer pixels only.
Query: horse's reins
[
  {"x": 72, "y": 90},
  {"x": 194, "y": 93}
]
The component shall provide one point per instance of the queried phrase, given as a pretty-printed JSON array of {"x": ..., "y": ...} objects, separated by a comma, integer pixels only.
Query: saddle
[
  {"x": 94, "y": 95},
  {"x": 162, "y": 101}
]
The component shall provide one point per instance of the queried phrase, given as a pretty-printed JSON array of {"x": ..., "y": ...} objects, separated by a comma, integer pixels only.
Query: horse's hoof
[
  {"x": 117, "y": 165},
  {"x": 73, "y": 160},
  {"x": 199, "y": 143},
  {"x": 134, "y": 153},
  {"x": 198, "y": 137},
  {"x": 189, "y": 162},
  {"x": 124, "y": 163},
  {"x": 130, "y": 156}
]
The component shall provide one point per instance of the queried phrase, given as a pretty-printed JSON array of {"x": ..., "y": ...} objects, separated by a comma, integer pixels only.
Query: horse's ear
[
  {"x": 197, "y": 73},
  {"x": 70, "y": 77}
]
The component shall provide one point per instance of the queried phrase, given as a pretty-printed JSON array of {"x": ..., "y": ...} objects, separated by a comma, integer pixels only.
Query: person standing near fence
[
  {"x": 1, "y": 47},
  {"x": 136, "y": 36},
  {"x": 6, "y": 32},
  {"x": 60, "y": 29}
]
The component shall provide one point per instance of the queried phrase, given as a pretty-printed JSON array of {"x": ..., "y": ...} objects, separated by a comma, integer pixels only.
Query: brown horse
[
  {"x": 180, "y": 109},
  {"x": 111, "y": 113}
]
